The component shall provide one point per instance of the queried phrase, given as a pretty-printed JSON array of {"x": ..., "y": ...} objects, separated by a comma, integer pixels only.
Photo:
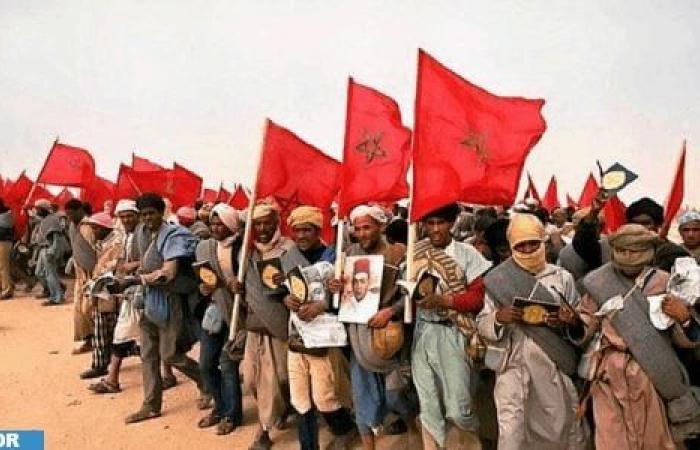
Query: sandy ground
[{"x": 40, "y": 389}]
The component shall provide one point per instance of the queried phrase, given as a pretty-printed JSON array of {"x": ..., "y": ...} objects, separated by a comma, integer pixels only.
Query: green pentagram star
[{"x": 370, "y": 146}]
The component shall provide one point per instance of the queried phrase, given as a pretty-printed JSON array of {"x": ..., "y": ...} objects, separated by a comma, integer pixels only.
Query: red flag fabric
[
  {"x": 186, "y": 186},
  {"x": 98, "y": 193},
  {"x": 377, "y": 150},
  {"x": 239, "y": 200},
  {"x": 2, "y": 186},
  {"x": 469, "y": 144},
  {"x": 40, "y": 193},
  {"x": 614, "y": 214},
  {"x": 589, "y": 192},
  {"x": 550, "y": 201},
  {"x": 570, "y": 203},
  {"x": 223, "y": 195},
  {"x": 68, "y": 166},
  {"x": 63, "y": 197},
  {"x": 132, "y": 183},
  {"x": 16, "y": 196},
  {"x": 209, "y": 195},
  {"x": 126, "y": 185},
  {"x": 140, "y": 164},
  {"x": 675, "y": 196},
  {"x": 531, "y": 191},
  {"x": 294, "y": 173}
]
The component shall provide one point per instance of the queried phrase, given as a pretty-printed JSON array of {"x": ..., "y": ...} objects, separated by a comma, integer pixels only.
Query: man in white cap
[
  {"x": 689, "y": 229},
  {"x": 219, "y": 368},
  {"x": 377, "y": 382}
]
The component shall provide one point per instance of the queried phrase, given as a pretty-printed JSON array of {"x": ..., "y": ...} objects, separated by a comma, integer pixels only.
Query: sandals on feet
[
  {"x": 105, "y": 387},
  {"x": 140, "y": 416},
  {"x": 208, "y": 421}
]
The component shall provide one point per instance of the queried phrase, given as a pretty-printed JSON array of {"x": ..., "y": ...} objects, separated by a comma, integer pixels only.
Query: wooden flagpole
[{"x": 245, "y": 250}]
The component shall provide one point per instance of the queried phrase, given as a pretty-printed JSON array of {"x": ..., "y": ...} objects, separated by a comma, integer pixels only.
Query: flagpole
[
  {"x": 34, "y": 184},
  {"x": 339, "y": 258},
  {"x": 410, "y": 250},
  {"x": 245, "y": 249}
]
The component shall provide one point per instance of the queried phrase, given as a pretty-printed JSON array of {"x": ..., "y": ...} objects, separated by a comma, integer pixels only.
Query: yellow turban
[
  {"x": 305, "y": 214},
  {"x": 263, "y": 209},
  {"x": 524, "y": 227}
]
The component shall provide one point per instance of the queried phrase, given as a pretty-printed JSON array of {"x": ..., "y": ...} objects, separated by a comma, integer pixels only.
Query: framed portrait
[{"x": 361, "y": 292}]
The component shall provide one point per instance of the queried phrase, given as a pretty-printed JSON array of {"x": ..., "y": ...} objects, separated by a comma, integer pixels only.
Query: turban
[
  {"x": 639, "y": 241},
  {"x": 42, "y": 203},
  {"x": 187, "y": 213},
  {"x": 645, "y": 206},
  {"x": 125, "y": 205},
  {"x": 361, "y": 266},
  {"x": 524, "y": 228},
  {"x": 633, "y": 237},
  {"x": 375, "y": 212},
  {"x": 101, "y": 219},
  {"x": 228, "y": 215},
  {"x": 305, "y": 214},
  {"x": 263, "y": 209},
  {"x": 687, "y": 217}
]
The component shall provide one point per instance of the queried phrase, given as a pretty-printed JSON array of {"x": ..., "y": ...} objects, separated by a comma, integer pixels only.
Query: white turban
[
  {"x": 687, "y": 217},
  {"x": 375, "y": 212},
  {"x": 228, "y": 215},
  {"x": 125, "y": 205}
]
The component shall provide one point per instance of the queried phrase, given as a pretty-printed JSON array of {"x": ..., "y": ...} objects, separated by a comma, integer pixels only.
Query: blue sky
[{"x": 193, "y": 81}]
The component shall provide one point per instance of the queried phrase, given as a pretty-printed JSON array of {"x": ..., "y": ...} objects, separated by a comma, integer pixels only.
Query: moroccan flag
[
  {"x": 377, "y": 150},
  {"x": 239, "y": 200},
  {"x": 550, "y": 201},
  {"x": 589, "y": 192},
  {"x": 186, "y": 186},
  {"x": 675, "y": 196},
  {"x": 209, "y": 195},
  {"x": 293, "y": 172},
  {"x": 531, "y": 191},
  {"x": 469, "y": 144},
  {"x": 223, "y": 195},
  {"x": 570, "y": 203},
  {"x": 140, "y": 164},
  {"x": 67, "y": 166},
  {"x": 126, "y": 186},
  {"x": 17, "y": 193},
  {"x": 614, "y": 214},
  {"x": 98, "y": 193},
  {"x": 40, "y": 193},
  {"x": 63, "y": 197}
]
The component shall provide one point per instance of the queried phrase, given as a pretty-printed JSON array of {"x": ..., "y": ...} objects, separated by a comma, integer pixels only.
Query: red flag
[
  {"x": 209, "y": 195},
  {"x": 67, "y": 166},
  {"x": 15, "y": 198},
  {"x": 223, "y": 195},
  {"x": 63, "y": 197},
  {"x": 140, "y": 164},
  {"x": 294, "y": 173},
  {"x": 531, "y": 191},
  {"x": 98, "y": 193},
  {"x": 614, "y": 214},
  {"x": 40, "y": 193},
  {"x": 126, "y": 186},
  {"x": 570, "y": 203},
  {"x": 469, "y": 144},
  {"x": 186, "y": 186},
  {"x": 377, "y": 150},
  {"x": 589, "y": 192},
  {"x": 239, "y": 200},
  {"x": 550, "y": 201},
  {"x": 675, "y": 196}
]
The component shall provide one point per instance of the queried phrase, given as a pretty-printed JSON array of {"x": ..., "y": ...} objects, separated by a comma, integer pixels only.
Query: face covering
[
  {"x": 533, "y": 262},
  {"x": 632, "y": 262}
]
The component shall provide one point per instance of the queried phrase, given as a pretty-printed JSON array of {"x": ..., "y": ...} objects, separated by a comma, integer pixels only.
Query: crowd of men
[{"x": 478, "y": 367}]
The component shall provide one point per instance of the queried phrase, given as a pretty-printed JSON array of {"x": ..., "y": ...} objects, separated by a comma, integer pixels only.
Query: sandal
[
  {"x": 205, "y": 401},
  {"x": 226, "y": 426},
  {"x": 208, "y": 421},
  {"x": 140, "y": 416},
  {"x": 168, "y": 382},
  {"x": 105, "y": 387}
]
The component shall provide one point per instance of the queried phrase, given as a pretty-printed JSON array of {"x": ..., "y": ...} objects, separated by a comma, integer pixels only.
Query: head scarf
[
  {"x": 101, "y": 219},
  {"x": 228, "y": 215},
  {"x": 42, "y": 203},
  {"x": 645, "y": 206},
  {"x": 305, "y": 214},
  {"x": 637, "y": 239},
  {"x": 375, "y": 212},
  {"x": 524, "y": 228},
  {"x": 125, "y": 205},
  {"x": 264, "y": 209},
  {"x": 687, "y": 217},
  {"x": 186, "y": 213}
]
